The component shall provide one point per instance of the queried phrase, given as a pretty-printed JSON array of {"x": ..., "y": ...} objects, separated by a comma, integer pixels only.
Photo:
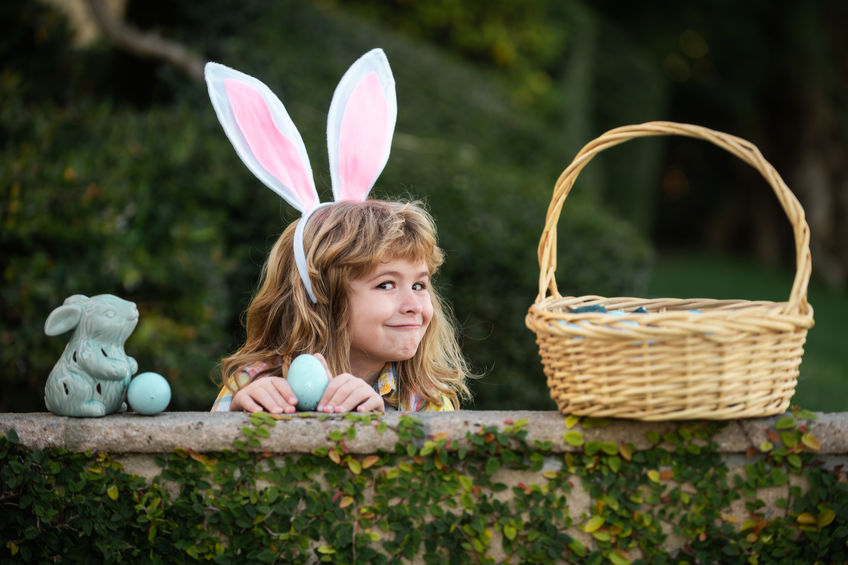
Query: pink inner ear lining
[
  {"x": 363, "y": 141},
  {"x": 272, "y": 150}
]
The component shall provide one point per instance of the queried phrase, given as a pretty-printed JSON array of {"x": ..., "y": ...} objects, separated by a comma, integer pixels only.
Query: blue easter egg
[
  {"x": 149, "y": 393},
  {"x": 308, "y": 379}
]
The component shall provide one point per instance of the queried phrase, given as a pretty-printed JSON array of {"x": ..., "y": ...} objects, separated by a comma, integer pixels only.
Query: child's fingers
[
  {"x": 345, "y": 393},
  {"x": 337, "y": 390},
  {"x": 271, "y": 394},
  {"x": 259, "y": 399},
  {"x": 356, "y": 397},
  {"x": 283, "y": 389},
  {"x": 372, "y": 404},
  {"x": 242, "y": 401},
  {"x": 270, "y": 399},
  {"x": 274, "y": 394}
]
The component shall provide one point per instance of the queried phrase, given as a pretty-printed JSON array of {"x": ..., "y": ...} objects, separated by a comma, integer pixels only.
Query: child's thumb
[{"x": 323, "y": 362}]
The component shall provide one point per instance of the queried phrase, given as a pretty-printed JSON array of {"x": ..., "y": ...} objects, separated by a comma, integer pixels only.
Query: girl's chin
[{"x": 405, "y": 353}]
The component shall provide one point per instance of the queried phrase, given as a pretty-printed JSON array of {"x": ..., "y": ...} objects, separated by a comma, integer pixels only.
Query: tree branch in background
[{"x": 146, "y": 44}]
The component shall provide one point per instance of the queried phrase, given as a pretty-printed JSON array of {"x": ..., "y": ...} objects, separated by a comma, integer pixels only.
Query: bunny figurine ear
[
  {"x": 360, "y": 126},
  {"x": 263, "y": 134}
]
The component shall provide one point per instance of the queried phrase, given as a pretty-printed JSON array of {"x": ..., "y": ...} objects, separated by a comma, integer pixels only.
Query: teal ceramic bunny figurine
[{"x": 93, "y": 374}]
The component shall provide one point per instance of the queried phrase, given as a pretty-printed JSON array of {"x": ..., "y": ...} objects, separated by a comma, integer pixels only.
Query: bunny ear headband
[{"x": 360, "y": 126}]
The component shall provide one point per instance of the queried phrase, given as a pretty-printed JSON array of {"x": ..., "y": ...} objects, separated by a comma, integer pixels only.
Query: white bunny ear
[
  {"x": 360, "y": 126},
  {"x": 263, "y": 134}
]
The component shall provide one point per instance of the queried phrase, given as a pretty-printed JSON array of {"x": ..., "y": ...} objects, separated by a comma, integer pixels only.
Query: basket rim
[{"x": 712, "y": 320}]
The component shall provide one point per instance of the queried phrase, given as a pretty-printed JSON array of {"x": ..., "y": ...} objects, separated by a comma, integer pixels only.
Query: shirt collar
[{"x": 386, "y": 385}]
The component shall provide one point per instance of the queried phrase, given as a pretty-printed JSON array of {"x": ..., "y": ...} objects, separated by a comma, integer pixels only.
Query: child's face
[{"x": 390, "y": 309}]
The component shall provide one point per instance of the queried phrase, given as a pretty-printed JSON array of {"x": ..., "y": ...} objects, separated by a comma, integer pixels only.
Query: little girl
[{"x": 350, "y": 280}]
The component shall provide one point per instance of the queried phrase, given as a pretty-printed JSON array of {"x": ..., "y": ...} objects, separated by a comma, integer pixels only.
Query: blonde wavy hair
[{"x": 342, "y": 242}]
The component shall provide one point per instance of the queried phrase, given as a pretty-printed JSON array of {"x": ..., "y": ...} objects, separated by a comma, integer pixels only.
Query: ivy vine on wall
[{"x": 435, "y": 499}]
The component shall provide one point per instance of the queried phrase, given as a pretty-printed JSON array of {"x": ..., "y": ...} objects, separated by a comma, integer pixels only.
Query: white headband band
[
  {"x": 360, "y": 126},
  {"x": 300, "y": 251}
]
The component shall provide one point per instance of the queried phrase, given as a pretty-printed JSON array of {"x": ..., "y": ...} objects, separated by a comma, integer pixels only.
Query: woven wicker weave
[{"x": 684, "y": 358}]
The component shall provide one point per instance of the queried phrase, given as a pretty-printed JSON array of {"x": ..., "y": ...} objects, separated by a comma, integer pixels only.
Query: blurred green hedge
[{"x": 149, "y": 201}]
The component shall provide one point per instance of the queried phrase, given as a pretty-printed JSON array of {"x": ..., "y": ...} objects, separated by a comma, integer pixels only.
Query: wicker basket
[{"x": 683, "y": 358}]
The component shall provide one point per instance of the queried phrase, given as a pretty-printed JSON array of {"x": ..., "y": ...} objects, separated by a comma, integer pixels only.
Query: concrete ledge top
[{"x": 204, "y": 431}]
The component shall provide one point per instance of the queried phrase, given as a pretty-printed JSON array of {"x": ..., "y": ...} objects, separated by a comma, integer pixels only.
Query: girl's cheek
[{"x": 428, "y": 311}]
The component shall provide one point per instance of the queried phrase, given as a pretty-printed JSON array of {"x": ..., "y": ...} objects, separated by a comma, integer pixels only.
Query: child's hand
[
  {"x": 346, "y": 393},
  {"x": 269, "y": 394}
]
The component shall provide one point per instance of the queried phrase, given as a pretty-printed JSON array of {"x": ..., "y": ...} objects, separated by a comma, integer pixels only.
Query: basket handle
[{"x": 745, "y": 150}]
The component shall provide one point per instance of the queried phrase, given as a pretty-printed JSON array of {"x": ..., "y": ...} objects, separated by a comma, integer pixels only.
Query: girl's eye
[
  {"x": 387, "y": 285},
  {"x": 419, "y": 286}
]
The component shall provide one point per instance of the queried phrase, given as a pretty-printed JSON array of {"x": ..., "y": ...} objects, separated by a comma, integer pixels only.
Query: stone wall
[
  {"x": 135, "y": 441},
  {"x": 132, "y": 433}
]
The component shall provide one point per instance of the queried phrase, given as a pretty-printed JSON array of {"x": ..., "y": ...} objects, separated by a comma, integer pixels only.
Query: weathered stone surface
[{"x": 301, "y": 433}]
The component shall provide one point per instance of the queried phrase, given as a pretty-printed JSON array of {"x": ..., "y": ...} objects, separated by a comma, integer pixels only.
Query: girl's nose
[{"x": 410, "y": 303}]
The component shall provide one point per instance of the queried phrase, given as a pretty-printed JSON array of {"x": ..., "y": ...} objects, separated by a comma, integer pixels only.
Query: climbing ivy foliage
[{"x": 436, "y": 499}]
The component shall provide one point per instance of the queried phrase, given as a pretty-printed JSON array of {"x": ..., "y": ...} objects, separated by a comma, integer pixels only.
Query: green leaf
[
  {"x": 112, "y": 492},
  {"x": 777, "y": 477},
  {"x": 592, "y": 422},
  {"x": 789, "y": 439},
  {"x": 807, "y": 415},
  {"x": 614, "y": 464},
  {"x": 601, "y": 535},
  {"x": 794, "y": 460},
  {"x": 609, "y": 447},
  {"x": 571, "y": 421},
  {"x": 509, "y": 532},
  {"x": 577, "y": 547},
  {"x": 466, "y": 483},
  {"x": 262, "y": 418},
  {"x": 785, "y": 423},
  {"x": 354, "y": 466},
  {"x": 573, "y": 437},
  {"x": 593, "y": 524},
  {"x": 806, "y": 518},
  {"x": 825, "y": 517},
  {"x": 617, "y": 559},
  {"x": 492, "y": 465},
  {"x": 592, "y": 447}
]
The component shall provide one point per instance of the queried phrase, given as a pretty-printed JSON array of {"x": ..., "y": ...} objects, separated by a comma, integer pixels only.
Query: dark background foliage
[{"x": 117, "y": 178}]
